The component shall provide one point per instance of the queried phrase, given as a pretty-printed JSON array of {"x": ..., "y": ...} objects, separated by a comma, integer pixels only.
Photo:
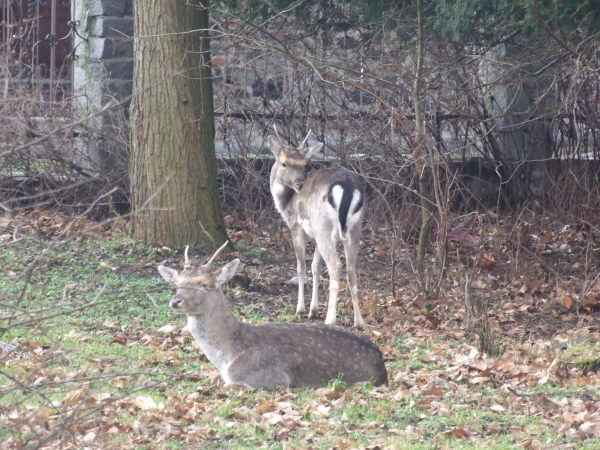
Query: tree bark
[
  {"x": 174, "y": 188},
  {"x": 419, "y": 150}
]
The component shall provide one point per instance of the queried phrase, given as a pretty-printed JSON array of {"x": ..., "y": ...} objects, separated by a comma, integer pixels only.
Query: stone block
[
  {"x": 96, "y": 47},
  {"x": 107, "y": 8},
  {"x": 120, "y": 90},
  {"x": 79, "y": 78},
  {"x": 110, "y": 48},
  {"x": 121, "y": 27},
  {"x": 96, "y": 71},
  {"x": 119, "y": 69}
]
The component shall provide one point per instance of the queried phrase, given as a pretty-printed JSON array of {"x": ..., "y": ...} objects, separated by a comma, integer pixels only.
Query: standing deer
[
  {"x": 326, "y": 206},
  {"x": 269, "y": 355}
]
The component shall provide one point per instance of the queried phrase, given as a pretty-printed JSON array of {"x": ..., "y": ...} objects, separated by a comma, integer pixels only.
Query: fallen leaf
[
  {"x": 89, "y": 437},
  {"x": 287, "y": 237},
  {"x": 568, "y": 301},
  {"x": 456, "y": 433},
  {"x": 478, "y": 380},
  {"x": 74, "y": 397},
  {"x": 264, "y": 406},
  {"x": 120, "y": 338},
  {"x": 487, "y": 262},
  {"x": 434, "y": 392},
  {"x": 166, "y": 329},
  {"x": 547, "y": 403},
  {"x": 323, "y": 410},
  {"x": 145, "y": 402},
  {"x": 272, "y": 418},
  {"x": 400, "y": 394},
  {"x": 590, "y": 302},
  {"x": 106, "y": 265},
  {"x": 419, "y": 300}
]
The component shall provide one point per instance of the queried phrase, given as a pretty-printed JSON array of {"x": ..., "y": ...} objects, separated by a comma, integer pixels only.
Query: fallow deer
[
  {"x": 325, "y": 207},
  {"x": 269, "y": 355}
]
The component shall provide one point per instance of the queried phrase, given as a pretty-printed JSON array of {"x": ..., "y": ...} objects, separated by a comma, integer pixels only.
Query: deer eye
[
  {"x": 203, "y": 286},
  {"x": 283, "y": 165}
]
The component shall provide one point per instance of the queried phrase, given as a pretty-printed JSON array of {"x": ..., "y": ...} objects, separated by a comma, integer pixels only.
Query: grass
[
  {"x": 584, "y": 355},
  {"x": 105, "y": 347},
  {"x": 67, "y": 281}
]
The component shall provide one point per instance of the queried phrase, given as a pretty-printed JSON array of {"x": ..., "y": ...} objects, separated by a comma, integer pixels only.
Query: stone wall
[
  {"x": 102, "y": 72},
  {"x": 104, "y": 68}
]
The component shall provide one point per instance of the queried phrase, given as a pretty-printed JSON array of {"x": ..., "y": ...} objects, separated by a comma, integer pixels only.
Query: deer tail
[
  {"x": 342, "y": 234},
  {"x": 341, "y": 196}
]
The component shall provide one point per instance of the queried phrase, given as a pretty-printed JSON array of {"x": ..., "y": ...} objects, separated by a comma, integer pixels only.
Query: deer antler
[
  {"x": 305, "y": 139},
  {"x": 186, "y": 264},
  {"x": 277, "y": 134},
  {"x": 215, "y": 255}
]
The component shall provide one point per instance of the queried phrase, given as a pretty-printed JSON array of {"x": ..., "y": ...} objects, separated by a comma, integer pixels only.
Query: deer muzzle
[
  {"x": 176, "y": 302},
  {"x": 298, "y": 183}
]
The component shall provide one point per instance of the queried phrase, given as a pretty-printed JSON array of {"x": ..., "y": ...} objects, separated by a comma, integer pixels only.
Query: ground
[{"x": 92, "y": 357}]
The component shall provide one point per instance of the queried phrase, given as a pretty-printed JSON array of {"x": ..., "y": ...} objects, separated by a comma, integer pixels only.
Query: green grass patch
[{"x": 584, "y": 355}]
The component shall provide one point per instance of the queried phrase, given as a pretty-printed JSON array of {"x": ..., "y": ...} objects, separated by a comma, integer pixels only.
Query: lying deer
[
  {"x": 269, "y": 355},
  {"x": 325, "y": 207}
]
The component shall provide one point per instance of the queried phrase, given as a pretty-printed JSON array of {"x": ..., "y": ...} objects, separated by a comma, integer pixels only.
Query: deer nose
[
  {"x": 298, "y": 182},
  {"x": 176, "y": 302}
]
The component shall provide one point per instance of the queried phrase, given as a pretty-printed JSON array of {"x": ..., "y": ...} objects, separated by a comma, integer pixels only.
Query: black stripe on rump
[{"x": 347, "y": 190}]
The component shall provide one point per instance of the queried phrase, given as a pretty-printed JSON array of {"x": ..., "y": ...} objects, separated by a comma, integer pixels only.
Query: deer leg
[
  {"x": 298, "y": 240},
  {"x": 334, "y": 267},
  {"x": 316, "y": 271},
  {"x": 351, "y": 247}
]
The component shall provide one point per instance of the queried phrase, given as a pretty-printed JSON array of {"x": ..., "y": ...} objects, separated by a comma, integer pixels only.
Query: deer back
[
  {"x": 301, "y": 355},
  {"x": 335, "y": 194}
]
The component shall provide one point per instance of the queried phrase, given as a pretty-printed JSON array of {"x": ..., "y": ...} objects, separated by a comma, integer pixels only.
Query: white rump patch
[
  {"x": 353, "y": 217},
  {"x": 336, "y": 193}
]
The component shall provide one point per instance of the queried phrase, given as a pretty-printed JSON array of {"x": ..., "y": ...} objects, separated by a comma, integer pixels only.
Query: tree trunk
[
  {"x": 419, "y": 151},
  {"x": 174, "y": 189}
]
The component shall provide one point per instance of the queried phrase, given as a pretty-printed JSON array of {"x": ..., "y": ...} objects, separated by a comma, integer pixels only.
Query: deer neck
[
  {"x": 284, "y": 198},
  {"x": 214, "y": 331}
]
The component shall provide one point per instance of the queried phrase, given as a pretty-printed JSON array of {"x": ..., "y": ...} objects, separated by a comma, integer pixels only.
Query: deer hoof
[
  {"x": 300, "y": 310},
  {"x": 330, "y": 320},
  {"x": 313, "y": 313},
  {"x": 359, "y": 324}
]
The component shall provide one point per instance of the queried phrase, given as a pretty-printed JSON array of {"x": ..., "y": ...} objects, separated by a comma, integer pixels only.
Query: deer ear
[
  {"x": 170, "y": 275},
  {"x": 227, "y": 272},
  {"x": 274, "y": 145},
  {"x": 313, "y": 150}
]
